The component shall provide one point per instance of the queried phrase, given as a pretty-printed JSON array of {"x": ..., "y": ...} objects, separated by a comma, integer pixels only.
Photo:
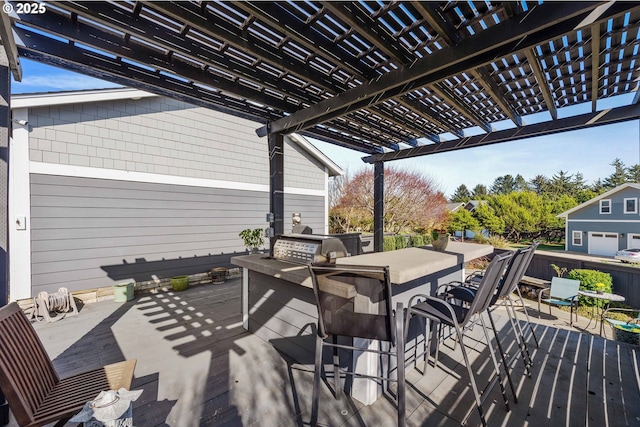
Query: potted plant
[
  {"x": 253, "y": 239},
  {"x": 439, "y": 240},
  {"x": 179, "y": 283}
]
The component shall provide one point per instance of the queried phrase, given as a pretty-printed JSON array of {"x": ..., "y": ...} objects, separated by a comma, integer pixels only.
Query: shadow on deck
[{"x": 199, "y": 367}]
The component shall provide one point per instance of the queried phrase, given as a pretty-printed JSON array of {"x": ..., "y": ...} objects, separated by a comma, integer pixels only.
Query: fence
[{"x": 626, "y": 279}]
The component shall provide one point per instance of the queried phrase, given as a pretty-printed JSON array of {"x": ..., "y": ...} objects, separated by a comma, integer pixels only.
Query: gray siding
[
  {"x": 302, "y": 171},
  {"x": 591, "y": 220},
  {"x": 592, "y": 211},
  {"x": 89, "y": 233},
  {"x": 311, "y": 207},
  {"x": 153, "y": 135}
]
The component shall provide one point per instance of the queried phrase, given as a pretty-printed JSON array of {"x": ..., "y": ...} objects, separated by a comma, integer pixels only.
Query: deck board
[{"x": 197, "y": 366}]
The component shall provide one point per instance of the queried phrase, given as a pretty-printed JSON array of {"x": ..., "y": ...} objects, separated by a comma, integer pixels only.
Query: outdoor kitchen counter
[
  {"x": 278, "y": 304},
  {"x": 405, "y": 265}
]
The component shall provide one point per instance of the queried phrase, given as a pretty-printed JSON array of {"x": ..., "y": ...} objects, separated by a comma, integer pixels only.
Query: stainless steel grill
[{"x": 308, "y": 248}]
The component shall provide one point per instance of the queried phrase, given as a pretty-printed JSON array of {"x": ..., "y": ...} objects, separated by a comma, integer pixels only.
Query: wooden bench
[
  {"x": 36, "y": 395},
  {"x": 531, "y": 286},
  {"x": 534, "y": 281}
]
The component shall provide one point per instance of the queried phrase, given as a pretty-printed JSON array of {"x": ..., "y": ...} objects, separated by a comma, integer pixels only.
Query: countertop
[{"x": 404, "y": 264}]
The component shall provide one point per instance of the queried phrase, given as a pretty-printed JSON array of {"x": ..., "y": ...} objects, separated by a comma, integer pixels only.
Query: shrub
[
  {"x": 480, "y": 238},
  {"x": 498, "y": 242},
  {"x": 592, "y": 280},
  {"x": 401, "y": 241},
  {"x": 478, "y": 263},
  {"x": 416, "y": 240},
  {"x": 389, "y": 243}
]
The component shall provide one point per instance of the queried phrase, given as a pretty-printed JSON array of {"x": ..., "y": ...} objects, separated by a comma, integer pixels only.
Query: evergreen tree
[
  {"x": 488, "y": 219},
  {"x": 479, "y": 192},
  {"x": 462, "y": 220},
  {"x": 618, "y": 177},
  {"x": 598, "y": 187},
  {"x": 521, "y": 183},
  {"x": 633, "y": 174},
  {"x": 539, "y": 184},
  {"x": 503, "y": 185},
  {"x": 461, "y": 194},
  {"x": 561, "y": 183}
]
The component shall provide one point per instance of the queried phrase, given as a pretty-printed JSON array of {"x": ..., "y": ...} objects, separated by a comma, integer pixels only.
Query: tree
[
  {"x": 479, "y": 192},
  {"x": 503, "y": 185},
  {"x": 560, "y": 183},
  {"x": 522, "y": 213},
  {"x": 539, "y": 184},
  {"x": 461, "y": 194},
  {"x": 618, "y": 177},
  {"x": 488, "y": 219},
  {"x": 633, "y": 174},
  {"x": 462, "y": 220},
  {"x": 521, "y": 183},
  {"x": 411, "y": 200}
]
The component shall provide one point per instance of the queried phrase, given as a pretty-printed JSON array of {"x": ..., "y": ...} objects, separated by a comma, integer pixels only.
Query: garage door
[
  {"x": 633, "y": 241},
  {"x": 603, "y": 243}
]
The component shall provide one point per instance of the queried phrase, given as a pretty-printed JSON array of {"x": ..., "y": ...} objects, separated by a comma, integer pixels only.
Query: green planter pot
[
  {"x": 123, "y": 292},
  {"x": 179, "y": 283}
]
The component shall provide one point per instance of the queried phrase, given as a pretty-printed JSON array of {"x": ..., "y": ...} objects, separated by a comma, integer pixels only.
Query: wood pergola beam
[
  {"x": 453, "y": 100},
  {"x": 542, "y": 83},
  {"x": 583, "y": 121},
  {"x": 496, "y": 94},
  {"x": 432, "y": 15},
  {"x": 595, "y": 64},
  {"x": 540, "y": 23}
]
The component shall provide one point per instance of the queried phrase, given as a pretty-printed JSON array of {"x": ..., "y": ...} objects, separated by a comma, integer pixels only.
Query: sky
[{"x": 588, "y": 151}]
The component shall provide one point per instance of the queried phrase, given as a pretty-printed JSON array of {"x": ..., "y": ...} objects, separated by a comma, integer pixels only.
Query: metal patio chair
[
  {"x": 513, "y": 274},
  {"x": 355, "y": 302},
  {"x": 563, "y": 292},
  {"x": 440, "y": 311}
]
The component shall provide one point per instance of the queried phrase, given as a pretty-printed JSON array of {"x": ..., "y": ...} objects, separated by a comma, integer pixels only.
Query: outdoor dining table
[{"x": 605, "y": 296}]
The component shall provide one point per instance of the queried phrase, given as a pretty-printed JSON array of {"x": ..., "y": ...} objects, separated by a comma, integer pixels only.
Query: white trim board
[
  {"x": 76, "y": 97},
  {"x": 19, "y": 221},
  {"x": 153, "y": 178}
]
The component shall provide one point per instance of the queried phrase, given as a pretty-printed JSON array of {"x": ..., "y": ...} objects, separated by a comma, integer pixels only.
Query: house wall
[
  {"x": 589, "y": 219},
  {"x": 146, "y": 188}
]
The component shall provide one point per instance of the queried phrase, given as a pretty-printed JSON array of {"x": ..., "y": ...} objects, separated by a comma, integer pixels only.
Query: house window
[
  {"x": 631, "y": 206},
  {"x": 605, "y": 206},
  {"x": 576, "y": 237}
]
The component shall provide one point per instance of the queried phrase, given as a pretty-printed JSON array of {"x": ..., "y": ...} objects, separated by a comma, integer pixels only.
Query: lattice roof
[{"x": 386, "y": 78}]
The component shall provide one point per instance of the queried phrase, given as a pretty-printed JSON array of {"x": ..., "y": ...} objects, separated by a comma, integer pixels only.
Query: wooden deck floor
[{"x": 198, "y": 367}]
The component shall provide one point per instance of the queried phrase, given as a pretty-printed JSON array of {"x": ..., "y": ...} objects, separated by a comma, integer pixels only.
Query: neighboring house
[
  {"x": 110, "y": 185},
  {"x": 606, "y": 223}
]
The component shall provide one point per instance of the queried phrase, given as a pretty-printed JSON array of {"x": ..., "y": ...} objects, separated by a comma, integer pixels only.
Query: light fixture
[{"x": 296, "y": 218}]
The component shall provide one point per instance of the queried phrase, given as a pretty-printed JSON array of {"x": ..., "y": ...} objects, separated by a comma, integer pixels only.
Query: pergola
[{"x": 392, "y": 80}]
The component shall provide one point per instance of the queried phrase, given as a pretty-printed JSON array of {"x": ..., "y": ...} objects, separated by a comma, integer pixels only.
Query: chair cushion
[{"x": 438, "y": 311}]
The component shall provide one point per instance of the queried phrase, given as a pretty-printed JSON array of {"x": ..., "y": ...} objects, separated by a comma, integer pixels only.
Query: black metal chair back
[
  {"x": 354, "y": 301},
  {"x": 516, "y": 269},
  {"x": 491, "y": 280}
]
